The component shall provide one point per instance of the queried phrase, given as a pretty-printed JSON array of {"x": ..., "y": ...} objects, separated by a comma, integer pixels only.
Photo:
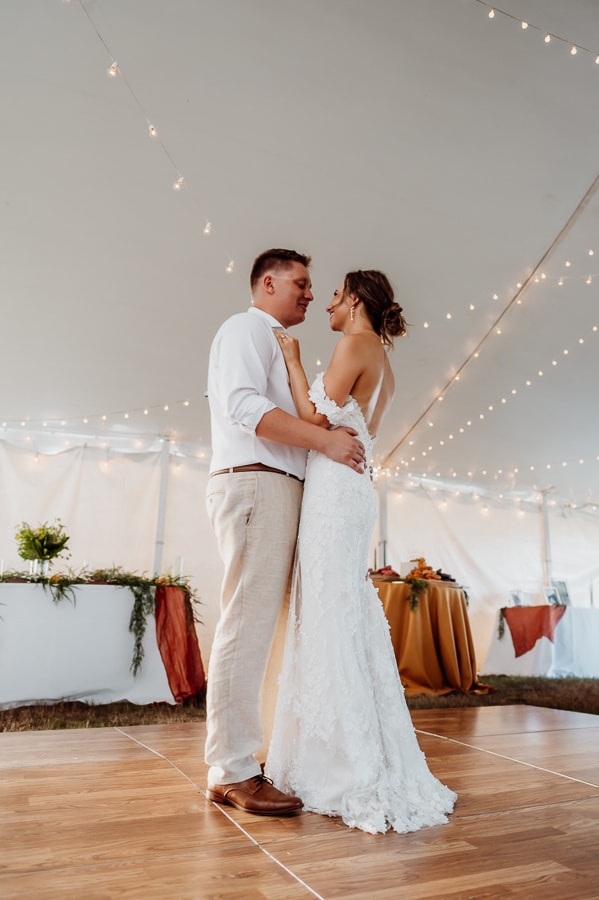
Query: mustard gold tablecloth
[{"x": 433, "y": 643}]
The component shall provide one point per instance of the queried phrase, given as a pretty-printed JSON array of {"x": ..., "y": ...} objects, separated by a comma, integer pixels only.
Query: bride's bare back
[{"x": 363, "y": 359}]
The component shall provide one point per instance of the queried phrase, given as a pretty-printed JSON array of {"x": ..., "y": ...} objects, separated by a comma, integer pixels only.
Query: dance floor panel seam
[{"x": 122, "y": 813}]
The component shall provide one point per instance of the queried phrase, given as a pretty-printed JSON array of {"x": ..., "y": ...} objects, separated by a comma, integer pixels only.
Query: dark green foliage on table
[
  {"x": 63, "y": 587},
  {"x": 417, "y": 588}
]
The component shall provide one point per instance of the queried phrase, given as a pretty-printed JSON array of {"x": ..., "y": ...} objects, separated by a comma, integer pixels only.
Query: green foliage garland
[
  {"x": 417, "y": 588},
  {"x": 62, "y": 587}
]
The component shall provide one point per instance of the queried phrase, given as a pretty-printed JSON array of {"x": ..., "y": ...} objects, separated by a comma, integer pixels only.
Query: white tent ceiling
[{"x": 456, "y": 151}]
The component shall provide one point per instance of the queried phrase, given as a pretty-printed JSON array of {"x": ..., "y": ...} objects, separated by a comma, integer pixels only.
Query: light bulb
[
  {"x": 491, "y": 13},
  {"x": 178, "y": 183},
  {"x": 574, "y": 50},
  {"x": 113, "y": 70},
  {"x": 208, "y": 228},
  {"x": 230, "y": 266},
  {"x": 547, "y": 38},
  {"x": 152, "y": 131},
  {"x": 524, "y": 26}
]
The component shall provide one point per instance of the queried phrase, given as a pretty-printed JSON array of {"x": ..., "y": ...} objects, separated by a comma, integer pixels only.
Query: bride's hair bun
[{"x": 375, "y": 291}]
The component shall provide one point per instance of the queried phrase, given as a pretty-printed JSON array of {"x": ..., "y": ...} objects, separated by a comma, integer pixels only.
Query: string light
[
  {"x": 230, "y": 266},
  {"x": 208, "y": 228},
  {"x": 114, "y": 70},
  {"x": 547, "y": 36}
]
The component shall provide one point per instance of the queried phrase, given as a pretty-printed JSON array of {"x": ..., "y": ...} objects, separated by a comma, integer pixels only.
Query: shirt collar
[{"x": 260, "y": 312}]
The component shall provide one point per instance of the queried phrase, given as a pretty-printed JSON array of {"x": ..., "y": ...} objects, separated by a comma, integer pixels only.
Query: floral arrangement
[{"x": 44, "y": 542}]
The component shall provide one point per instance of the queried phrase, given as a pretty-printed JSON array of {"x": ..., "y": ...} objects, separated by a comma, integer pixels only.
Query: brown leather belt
[{"x": 256, "y": 467}]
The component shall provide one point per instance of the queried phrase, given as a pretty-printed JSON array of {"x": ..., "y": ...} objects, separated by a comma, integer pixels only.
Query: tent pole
[
  {"x": 161, "y": 515},
  {"x": 547, "y": 561},
  {"x": 382, "y": 544}
]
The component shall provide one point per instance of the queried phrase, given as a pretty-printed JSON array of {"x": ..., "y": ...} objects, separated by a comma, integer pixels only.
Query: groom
[{"x": 253, "y": 500}]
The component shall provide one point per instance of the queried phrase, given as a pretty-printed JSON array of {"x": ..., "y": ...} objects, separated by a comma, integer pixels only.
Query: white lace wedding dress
[{"x": 343, "y": 739}]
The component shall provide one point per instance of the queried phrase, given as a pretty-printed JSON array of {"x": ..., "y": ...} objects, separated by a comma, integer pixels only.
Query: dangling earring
[{"x": 352, "y": 313}]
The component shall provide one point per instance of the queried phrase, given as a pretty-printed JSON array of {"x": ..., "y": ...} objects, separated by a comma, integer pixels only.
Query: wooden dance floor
[{"x": 119, "y": 812}]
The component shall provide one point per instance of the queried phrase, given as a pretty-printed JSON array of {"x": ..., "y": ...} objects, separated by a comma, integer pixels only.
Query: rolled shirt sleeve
[
  {"x": 245, "y": 356},
  {"x": 247, "y": 378}
]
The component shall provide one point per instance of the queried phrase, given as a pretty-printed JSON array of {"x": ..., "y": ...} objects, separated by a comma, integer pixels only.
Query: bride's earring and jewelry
[{"x": 352, "y": 314}]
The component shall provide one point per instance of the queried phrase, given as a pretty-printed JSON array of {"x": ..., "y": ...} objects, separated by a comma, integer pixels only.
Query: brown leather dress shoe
[{"x": 255, "y": 795}]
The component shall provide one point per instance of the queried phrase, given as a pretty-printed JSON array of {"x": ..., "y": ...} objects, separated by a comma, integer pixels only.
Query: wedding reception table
[
  {"x": 82, "y": 649},
  {"x": 433, "y": 643},
  {"x": 554, "y": 641}
]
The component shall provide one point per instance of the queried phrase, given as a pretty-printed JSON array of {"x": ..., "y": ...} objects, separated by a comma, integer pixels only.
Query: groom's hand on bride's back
[{"x": 344, "y": 447}]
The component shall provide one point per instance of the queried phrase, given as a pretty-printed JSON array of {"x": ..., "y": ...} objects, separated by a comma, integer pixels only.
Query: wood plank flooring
[{"x": 120, "y": 812}]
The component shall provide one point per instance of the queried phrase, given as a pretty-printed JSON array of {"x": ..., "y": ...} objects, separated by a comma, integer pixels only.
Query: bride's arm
[
  {"x": 298, "y": 381},
  {"x": 346, "y": 365}
]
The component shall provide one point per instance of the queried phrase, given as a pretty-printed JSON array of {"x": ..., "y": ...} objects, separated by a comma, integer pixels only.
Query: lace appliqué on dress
[{"x": 343, "y": 738}]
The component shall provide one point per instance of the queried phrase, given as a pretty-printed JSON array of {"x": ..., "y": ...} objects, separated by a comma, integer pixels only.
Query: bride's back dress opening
[{"x": 343, "y": 738}]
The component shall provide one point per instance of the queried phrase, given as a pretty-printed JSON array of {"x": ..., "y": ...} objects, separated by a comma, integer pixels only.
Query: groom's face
[{"x": 292, "y": 294}]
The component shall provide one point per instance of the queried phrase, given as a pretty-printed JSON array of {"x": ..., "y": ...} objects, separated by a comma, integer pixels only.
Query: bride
[{"x": 343, "y": 739}]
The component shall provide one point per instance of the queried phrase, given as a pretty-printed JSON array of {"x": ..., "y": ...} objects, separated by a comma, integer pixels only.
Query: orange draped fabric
[
  {"x": 433, "y": 644},
  {"x": 529, "y": 623},
  {"x": 178, "y": 644}
]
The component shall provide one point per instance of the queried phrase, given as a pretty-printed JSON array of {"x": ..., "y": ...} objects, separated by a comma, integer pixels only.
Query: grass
[{"x": 576, "y": 694}]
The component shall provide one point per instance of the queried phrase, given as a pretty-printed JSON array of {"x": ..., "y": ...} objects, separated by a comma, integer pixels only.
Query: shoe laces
[{"x": 262, "y": 779}]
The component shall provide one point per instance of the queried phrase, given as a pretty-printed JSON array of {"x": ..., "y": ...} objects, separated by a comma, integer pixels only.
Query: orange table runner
[
  {"x": 178, "y": 644},
  {"x": 529, "y": 623},
  {"x": 433, "y": 644}
]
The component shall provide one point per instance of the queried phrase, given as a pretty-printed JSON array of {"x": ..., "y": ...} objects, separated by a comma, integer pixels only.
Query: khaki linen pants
[{"x": 255, "y": 517}]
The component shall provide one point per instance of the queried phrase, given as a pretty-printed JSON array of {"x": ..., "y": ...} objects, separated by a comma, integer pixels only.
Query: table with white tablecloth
[
  {"x": 82, "y": 649},
  {"x": 544, "y": 640}
]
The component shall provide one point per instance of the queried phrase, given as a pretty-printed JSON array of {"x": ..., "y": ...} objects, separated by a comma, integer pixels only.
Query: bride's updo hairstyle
[{"x": 375, "y": 292}]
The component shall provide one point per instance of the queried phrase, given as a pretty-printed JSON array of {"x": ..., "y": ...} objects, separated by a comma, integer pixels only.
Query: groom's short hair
[{"x": 276, "y": 259}]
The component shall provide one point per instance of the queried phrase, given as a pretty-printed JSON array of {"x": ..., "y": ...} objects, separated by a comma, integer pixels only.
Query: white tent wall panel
[
  {"x": 109, "y": 506},
  {"x": 490, "y": 547},
  {"x": 575, "y": 550},
  {"x": 189, "y": 541}
]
